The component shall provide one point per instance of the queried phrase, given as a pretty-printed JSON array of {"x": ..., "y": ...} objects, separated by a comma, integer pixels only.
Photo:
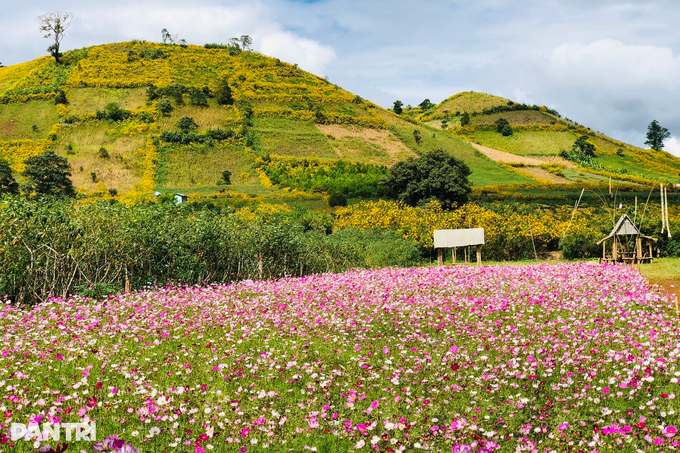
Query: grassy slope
[{"x": 279, "y": 93}]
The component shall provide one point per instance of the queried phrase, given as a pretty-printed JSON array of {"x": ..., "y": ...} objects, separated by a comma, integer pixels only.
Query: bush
[
  {"x": 465, "y": 119},
  {"x": 223, "y": 94},
  {"x": 164, "y": 107},
  {"x": 187, "y": 124},
  {"x": 337, "y": 199},
  {"x": 198, "y": 98},
  {"x": 226, "y": 177},
  {"x": 580, "y": 246},
  {"x": 507, "y": 130},
  {"x": 103, "y": 153},
  {"x": 60, "y": 97},
  {"x": 112, "y": 112}
]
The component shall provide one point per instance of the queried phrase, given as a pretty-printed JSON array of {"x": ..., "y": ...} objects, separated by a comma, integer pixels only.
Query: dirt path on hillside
[{"x": 509, "y": 158}]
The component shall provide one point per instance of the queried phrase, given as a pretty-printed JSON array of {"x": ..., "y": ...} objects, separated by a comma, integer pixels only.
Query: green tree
[
  {"x": 198, "y": 98},
  {"x": 398, "y": 107},
  {"x": 436, "y": 175},
  {"x": 500, "y": 124},
  {"x": 54, "y": 25},
  {"x": 465, "y": 119},
  {"x": 583, "y": 146},
  {"x": 187, "y": 124},
  {"x": 507, "y": 130},
  {"x": 223, "y": 94},
  {"x": 246, "y": 42},
  {"x": 7, "y": 183},
  {"x": 656, "y": 134},
  {"x": 426, "y": 105},
  {"x": 48, "y": 174},
  {"x": 416, "y": 135},
  {"x": 226, "y": 177}
]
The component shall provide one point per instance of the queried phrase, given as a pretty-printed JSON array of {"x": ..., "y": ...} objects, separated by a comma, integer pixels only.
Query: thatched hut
[{"x": 627, "y": 244}]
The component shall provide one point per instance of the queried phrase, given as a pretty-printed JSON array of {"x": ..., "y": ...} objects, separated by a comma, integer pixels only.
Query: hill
[
  {"x": 282, "y": 133},
  {"x": 279, "y": 114}
]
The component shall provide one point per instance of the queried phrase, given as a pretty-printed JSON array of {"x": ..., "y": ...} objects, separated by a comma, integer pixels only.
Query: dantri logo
[{"x": 72, "y": 431}]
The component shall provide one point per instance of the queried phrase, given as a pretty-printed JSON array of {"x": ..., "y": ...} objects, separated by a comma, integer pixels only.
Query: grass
[
  {"x": 212, "y": 117},
  {"x": 635, "y": 167},
  {"x": 122, "y": 170},
  {"x": 520, "y": 117},
  {"x": 17, "y": 120},
  {"x": 199, "y": 166},
  {"x": 88, "y": 100},
  {"x": 292, "y": 138},
  {"x": 484, "y": 170},
  {"x": 526, "y": 143},
  {"x": 469, "y": 101}
]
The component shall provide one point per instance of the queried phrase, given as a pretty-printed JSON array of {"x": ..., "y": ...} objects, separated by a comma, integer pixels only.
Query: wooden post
[
  {"x": 614, "y": 251},
  {"x": 453, "y": 254},
  {"x": 650, "y": 251},
  {"x": 604, "y": 250},
  {"x": 677, "y": 309},
  {"x": 127, "y": 286},
  {"x": 479, "y": 255},
  {"x": 638, "y": 248},
  {"x": 440, "y": 257}
]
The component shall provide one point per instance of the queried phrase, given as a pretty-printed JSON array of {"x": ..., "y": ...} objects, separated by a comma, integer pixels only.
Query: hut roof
[{"x": 624, "y": 227}]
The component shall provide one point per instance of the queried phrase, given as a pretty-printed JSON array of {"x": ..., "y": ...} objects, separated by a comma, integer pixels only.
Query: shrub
[
  {"x": 60, "y": 97},
  {"x": 112, "y": 112},
  {"x": 187, "y": 124},
  {"x": 337, "y": 199},
  {"x": 226, "y": 177},
  {"x": 507, "y": 130},
  {"x": 164, "y": 107},
  {"x": 465, "y": 119},
  {"x": 103, "y": 153},
  {"x": 223, "y": 94},
  {"x": 198, "y": 98},
  {"x": 94, "y": 176}
]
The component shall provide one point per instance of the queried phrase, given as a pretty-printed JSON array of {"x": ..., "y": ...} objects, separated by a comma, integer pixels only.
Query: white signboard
[{"x": 458, "y": 238}]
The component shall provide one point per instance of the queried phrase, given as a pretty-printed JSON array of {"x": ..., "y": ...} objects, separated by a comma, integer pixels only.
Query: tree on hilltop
[
  {"x": 7, "y": 183},
  {"x": 48, "y": 174},
  {"x": 54, "y": 25},
  {"x": 397, "y": 108},
  {"x": 656, "y": 134},
  {"x": 426, "y": 105},
  {"x": 436, "y": 175}
]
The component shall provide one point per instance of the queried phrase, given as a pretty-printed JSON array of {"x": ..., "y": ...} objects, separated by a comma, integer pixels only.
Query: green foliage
[
  {"x": 223, "y": 94},
  {"x": 506, "y": 130},
  {"x": 183, "y": 137},
  {"x": 436, "y": 175},
  {"x": 48, "y": 174},
  {"x": 426, "y": 105},
  {"x": 103, "y": 153},
  {"x": 512, "y": 107},
  {"x": 580, "y": 246},
  {"x": 231, "y": 48},
  {"x": 330, "y": 176},
  {"x": 398, "y": 107},
  {"x": 198, "y": 98},
  {"x": 337, "y": 199},
  {"x": 417, "y": 136},
  {"x": 112, "y": 112},
  {"x": 583, "y": 146},
  {"x": 186, "y": 124},
  {"x": 465, "y": 119},
  {"x": 64, "y": 248},
  {"x": 226, "y": 177},
  {"x": 656, "y": 134},
  {"x": 164, "y": 107},
  {"x": 500, "y": 124},
  {"x": 8, "y": 186},
  {"x": 60, "y": 97}
]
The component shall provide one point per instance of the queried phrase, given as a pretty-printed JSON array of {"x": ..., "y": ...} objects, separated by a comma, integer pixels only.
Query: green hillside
[
  {"x": 278, "y": 111},
  {"x": 281, "y": 132}
]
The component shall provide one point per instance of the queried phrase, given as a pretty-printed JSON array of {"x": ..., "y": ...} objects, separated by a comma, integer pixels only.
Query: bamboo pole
[
  {"x": 573, "y": 213},
  {"x": 668, "y": 223},
  {"x": 677, "y": 309},
  {"x": 635, "y": 216},
  {"x": 663, "y": 211}
]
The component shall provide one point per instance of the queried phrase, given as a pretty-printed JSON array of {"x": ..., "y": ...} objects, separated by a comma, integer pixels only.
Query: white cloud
[
  {"x": 309, "y": 55},
  {"x": 612, "y": 65},
  {"x": 672, "y": 145}
]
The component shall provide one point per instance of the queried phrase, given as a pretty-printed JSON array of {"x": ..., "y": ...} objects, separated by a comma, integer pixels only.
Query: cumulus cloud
[
  {"x": 672, "y": 145},
  {"x": 308, "y": 54}
]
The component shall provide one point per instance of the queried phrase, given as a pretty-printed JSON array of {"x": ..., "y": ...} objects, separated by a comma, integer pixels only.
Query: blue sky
[{"x": 611, "y": 65}]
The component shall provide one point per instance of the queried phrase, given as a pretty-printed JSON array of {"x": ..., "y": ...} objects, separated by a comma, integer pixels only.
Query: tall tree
[
  {"x": 223, "y": 94},
  {"x": 7, "y": 183},
  {"x": 246, "y": 42},
  {"x": 656, "y": 134},
  {"x": 583, "y": 146},
  {"x": 54, "y": 25},
  {"x": 465, "y": 119},
  {"x": 48, "y": 174},
  {"x": 436, "y": 175},
  {"x": 398, "y": 107}
]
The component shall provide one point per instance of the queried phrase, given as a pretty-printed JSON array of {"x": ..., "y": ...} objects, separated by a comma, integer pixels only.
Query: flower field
[{"x": 542, "y": 358}]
